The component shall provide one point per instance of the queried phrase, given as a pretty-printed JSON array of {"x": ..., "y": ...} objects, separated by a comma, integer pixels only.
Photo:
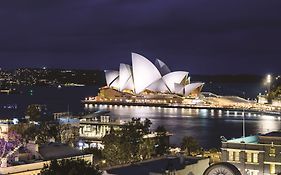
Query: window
[
  {"x": 231, "y": 155},
  {"x": 249, "y": 157},
  {"x": 236, "y": 156},
  {"x": 252, "y": 157},
  {"x": 272, "y": 152},
  {"x": 252, "y": 172},
  {"x": 272, "y": 168},
  {"x": 255, "y": 158}
]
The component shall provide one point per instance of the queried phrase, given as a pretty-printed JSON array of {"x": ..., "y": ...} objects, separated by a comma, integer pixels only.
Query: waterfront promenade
[{"x": 229, "y": 103}]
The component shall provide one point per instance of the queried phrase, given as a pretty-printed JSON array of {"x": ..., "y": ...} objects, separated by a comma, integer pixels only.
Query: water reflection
[
  {"x": 205, "y": 125},
  {"x": 270, "y": 123}
]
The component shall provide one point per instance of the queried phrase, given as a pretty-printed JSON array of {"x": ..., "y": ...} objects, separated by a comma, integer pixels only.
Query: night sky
[{"x": 200, "y": 36}]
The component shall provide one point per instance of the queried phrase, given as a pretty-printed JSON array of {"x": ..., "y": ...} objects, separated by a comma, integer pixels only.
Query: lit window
[
  {"x": 255, "y": 158},
  {"x": 233, "y": 156},
  {"x": 230, "y": 155},
  {"x": 236, "y": 156},
  {"x": 272, "y": 168},
  {"x": 249, "y": 157},
  {"x": 252, "y": 172},
  {"x": 272, "y": 152}
]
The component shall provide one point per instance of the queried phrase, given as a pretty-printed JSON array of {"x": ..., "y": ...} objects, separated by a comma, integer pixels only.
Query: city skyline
[{"x": 201, "y": 36}]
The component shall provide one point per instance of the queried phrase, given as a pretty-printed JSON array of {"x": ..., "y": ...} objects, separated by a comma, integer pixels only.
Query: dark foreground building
[{"x": 167, "y": 165}]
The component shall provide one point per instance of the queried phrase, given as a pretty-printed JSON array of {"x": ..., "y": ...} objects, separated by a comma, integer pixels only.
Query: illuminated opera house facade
[{"x": 145, "y": 82}]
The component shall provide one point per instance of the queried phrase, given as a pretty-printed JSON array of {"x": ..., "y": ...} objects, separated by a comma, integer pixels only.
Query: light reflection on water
[{"x": 205, "y": 125}]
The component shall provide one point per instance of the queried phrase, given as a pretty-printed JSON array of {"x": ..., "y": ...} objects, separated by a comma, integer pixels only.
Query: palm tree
[{"x": 189, "y": 144}]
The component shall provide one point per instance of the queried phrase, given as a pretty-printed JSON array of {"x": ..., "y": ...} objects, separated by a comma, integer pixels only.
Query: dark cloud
[{"x": 199, "y": 35}]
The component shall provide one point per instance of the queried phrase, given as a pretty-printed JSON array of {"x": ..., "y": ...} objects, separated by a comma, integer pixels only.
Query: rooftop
[
  {"x": 248, "y": 139},
  {"x": 272, "y": 134},
  {"x": 57, "y": 150},
  {"x": 258, "y": 139},
  {"x": 154, "y": 166}
]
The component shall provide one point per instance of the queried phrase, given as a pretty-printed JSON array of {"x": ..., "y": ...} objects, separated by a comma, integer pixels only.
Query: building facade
[
  {"x": 93, "y": 127},
  {"x": 254, "y": 155}
]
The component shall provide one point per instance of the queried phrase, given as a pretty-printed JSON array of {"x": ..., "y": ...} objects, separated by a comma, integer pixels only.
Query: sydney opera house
[{"x": 145, "y": 82}]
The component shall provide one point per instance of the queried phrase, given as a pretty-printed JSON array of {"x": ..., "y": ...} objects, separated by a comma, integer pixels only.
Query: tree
[
  {"x": 28, "y": 131},
  {"x": 128, "y": 144},
  {"x": 161, "y": 129},
  {"x": 45, "y": 131},
  {"x": 189, "y": 144},
  {"x": 162, "y": 145},
  {"x": 146, "y": 125},
  {"x": 275, "y": 93},
  {"x": 69, "y": 167},
  {"x": 9, "y": 146},
  {"x": 115, "y": 149},
  {"x": 33, "y": 112},
  {"x": 146, "y": 149},
  {"x": 68, "y": 134},
  {"x": 133, "y": 134},
  {"x": 97, "y": 153}
]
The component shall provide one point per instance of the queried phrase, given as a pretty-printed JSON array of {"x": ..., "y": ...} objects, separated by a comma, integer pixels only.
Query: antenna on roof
[{"x": 244, "y": 129}]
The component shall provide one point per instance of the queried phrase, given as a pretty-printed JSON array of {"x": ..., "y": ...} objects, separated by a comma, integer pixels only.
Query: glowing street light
[
  {"x": 268, "y": 79},
  {"x": 268, "y": 82}
]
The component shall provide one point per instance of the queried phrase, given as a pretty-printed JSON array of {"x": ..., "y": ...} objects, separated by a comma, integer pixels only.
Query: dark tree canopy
[
  {"x": 128, "y": 144},
  {"x": 189, "y": 145},
  {"x": 46, "y": 131},
  {"x": 162, "y": 145},
  {"x": 69, "y": 167},
  {"x": 33, "y": 112}
]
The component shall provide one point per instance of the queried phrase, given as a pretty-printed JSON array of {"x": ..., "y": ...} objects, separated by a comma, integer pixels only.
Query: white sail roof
[
  {"x": 144, "y": 72},
  {"x": 125, "y": 77},
  {"x": 174, "y": 77},
  {"x": 110, "y": 76},
  {"x": 115, "y": 83},
  {"x": 158, "y": 86},
  {"x": 178, "y": 88},
  {"x": 162, "y": 67},
  {"x": 130, "y": 84},
  {"x": 191, "y": 87},
  {"x": 145, "y": 75},
  {"x": 188, "y": 80}
]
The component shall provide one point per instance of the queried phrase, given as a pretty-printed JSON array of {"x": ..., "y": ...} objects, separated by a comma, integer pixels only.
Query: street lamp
[
  {"x": 268, "y": 82},
  {"x": 268, "y": 78}
]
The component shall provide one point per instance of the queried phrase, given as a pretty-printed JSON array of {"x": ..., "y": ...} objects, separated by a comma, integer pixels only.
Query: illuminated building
[
  {"x": 254, "y": 155},
  {"x": 145, "y": 82}
]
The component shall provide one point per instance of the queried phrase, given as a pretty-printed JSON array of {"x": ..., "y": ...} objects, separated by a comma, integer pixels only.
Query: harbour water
[{"x": 205, "y": 125}]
